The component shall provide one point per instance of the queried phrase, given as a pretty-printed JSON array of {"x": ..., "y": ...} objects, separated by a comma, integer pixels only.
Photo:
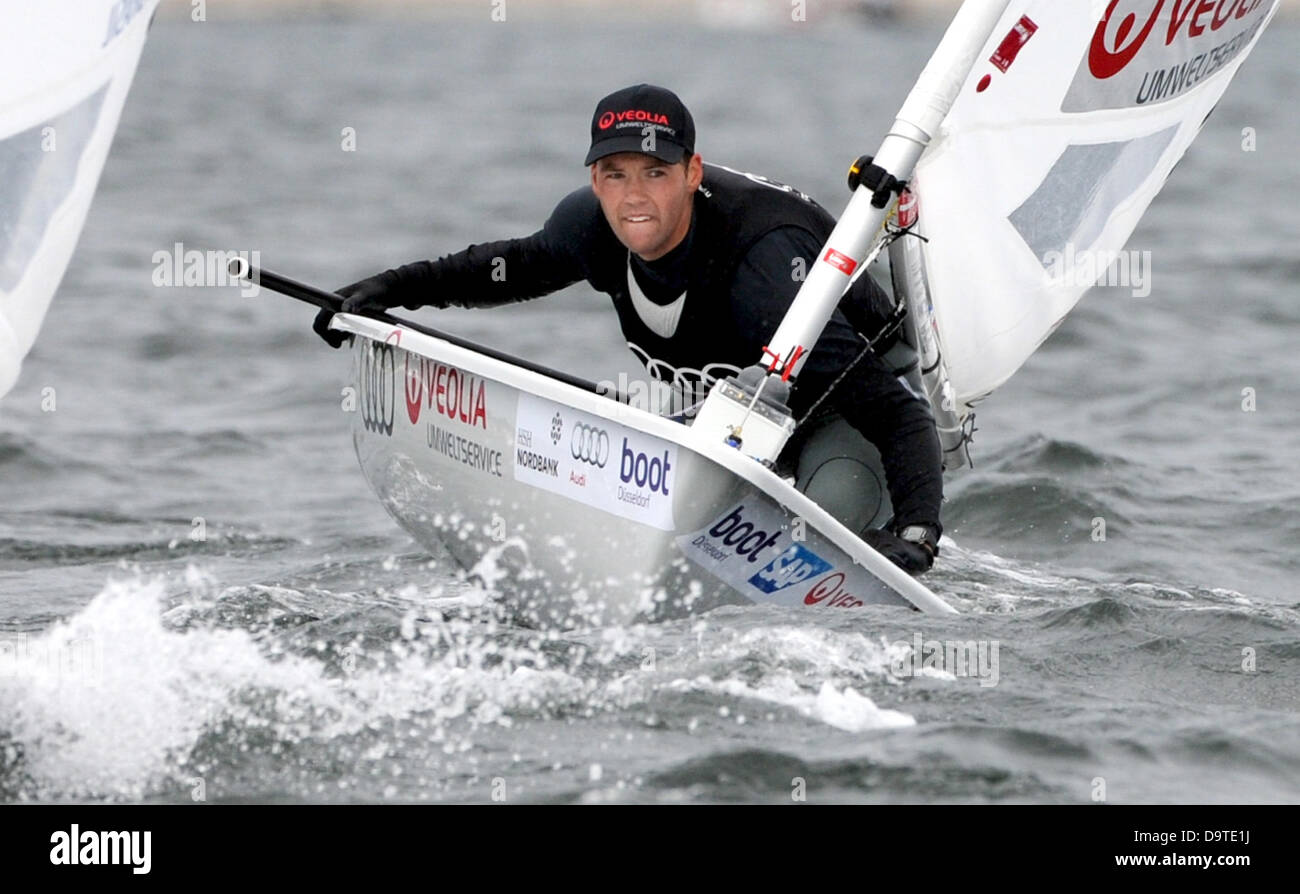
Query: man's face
[{"x": 647, "y": 201}]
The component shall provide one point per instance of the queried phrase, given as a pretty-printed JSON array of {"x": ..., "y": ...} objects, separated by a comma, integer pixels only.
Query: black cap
[{"x": 622, "y": 118}]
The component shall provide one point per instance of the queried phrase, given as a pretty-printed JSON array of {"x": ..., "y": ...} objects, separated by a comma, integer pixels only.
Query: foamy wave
[
  {"x": 844, "y": 709},
  {"x": 98, "y": 702},
  {"x": 816, "y": 672},
  {"x": 112, "y": 703}
]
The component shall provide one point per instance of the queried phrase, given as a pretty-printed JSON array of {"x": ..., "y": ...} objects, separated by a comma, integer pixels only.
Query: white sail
[
  {"x": 65, "y": 69},
  {"x": 1060, "y": 138}
]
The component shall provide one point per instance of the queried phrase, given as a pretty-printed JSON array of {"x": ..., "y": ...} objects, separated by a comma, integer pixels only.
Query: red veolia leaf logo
[
  {"x": 414, "y": 390},
  {"x": 1104, "y": 60}
]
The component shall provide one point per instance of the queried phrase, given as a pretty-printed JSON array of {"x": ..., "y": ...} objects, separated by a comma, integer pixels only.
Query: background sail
[
  {"x": 1058, "y": 142},
  {"x": 65, "y": 69}
]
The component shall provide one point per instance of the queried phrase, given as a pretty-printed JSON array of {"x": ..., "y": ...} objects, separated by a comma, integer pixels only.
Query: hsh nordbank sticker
[
  {"x": 1007, "y": 51},
  {"x": 1016, "y": 38}
]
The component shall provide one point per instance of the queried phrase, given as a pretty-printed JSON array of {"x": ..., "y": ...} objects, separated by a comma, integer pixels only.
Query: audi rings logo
[
  {"x": 590, "y": 445},
  {"x": 377, "y": 380}
]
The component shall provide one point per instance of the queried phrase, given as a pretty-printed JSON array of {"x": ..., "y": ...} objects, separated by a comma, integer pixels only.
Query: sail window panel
[
  {"x": 1080, "y": 193},
  {"x": 38, "y": 169}
]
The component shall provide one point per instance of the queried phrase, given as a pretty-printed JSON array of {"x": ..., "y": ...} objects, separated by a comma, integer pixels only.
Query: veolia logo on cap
[{"x": 608, "y": 119}]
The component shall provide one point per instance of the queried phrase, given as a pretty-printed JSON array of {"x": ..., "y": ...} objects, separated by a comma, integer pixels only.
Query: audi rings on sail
[{"x": 590, "y": 444}]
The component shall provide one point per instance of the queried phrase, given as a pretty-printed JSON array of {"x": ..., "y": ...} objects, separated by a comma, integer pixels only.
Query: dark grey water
[{"x": 202, "y": 597}]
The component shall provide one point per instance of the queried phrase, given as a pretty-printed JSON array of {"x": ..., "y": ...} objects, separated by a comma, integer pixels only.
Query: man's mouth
[{"x": 637, "y": 218}]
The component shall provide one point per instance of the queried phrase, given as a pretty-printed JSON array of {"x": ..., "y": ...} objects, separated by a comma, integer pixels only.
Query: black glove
[
  {"x": 321, "y": 326},
  {"x": 365, "y": 297},
  {"x": 914, "y": 551}
]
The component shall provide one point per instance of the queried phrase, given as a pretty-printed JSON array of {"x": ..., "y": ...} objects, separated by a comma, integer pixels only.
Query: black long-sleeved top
[{"x": 738, "y": 268}]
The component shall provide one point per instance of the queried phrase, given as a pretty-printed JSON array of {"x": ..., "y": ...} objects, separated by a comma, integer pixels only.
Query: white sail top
[
  {"x": 1060, "y": 138},
  {"x": 65, "y": 69}
]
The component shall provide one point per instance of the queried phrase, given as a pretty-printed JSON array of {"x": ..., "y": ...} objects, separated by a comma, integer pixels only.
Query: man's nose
[{"x": 637, "y": 186}]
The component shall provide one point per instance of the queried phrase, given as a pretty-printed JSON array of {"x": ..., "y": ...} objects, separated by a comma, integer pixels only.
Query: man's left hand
[{"x": 915, "y": 555}]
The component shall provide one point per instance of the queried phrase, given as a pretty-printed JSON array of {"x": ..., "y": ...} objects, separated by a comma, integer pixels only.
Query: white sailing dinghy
[
  {"x": 1038, "y": 126},
  {"x": 65, "y": 69}
]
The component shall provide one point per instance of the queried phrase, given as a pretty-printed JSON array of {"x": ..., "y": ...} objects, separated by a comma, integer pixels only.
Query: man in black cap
[{"x": 702, "y": 263}]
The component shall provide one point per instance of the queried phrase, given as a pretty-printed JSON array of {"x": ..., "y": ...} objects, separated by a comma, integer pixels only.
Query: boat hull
[{"x": 579, "y": 509}]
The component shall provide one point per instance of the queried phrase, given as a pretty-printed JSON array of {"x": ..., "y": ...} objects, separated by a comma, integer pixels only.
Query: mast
[{"x": 854, "y": 235}]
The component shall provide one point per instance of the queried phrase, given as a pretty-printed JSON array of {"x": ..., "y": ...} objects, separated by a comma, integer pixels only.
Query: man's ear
[
  {"x": 695, "y": 172},
  {"x": 593, "y": 176}
]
